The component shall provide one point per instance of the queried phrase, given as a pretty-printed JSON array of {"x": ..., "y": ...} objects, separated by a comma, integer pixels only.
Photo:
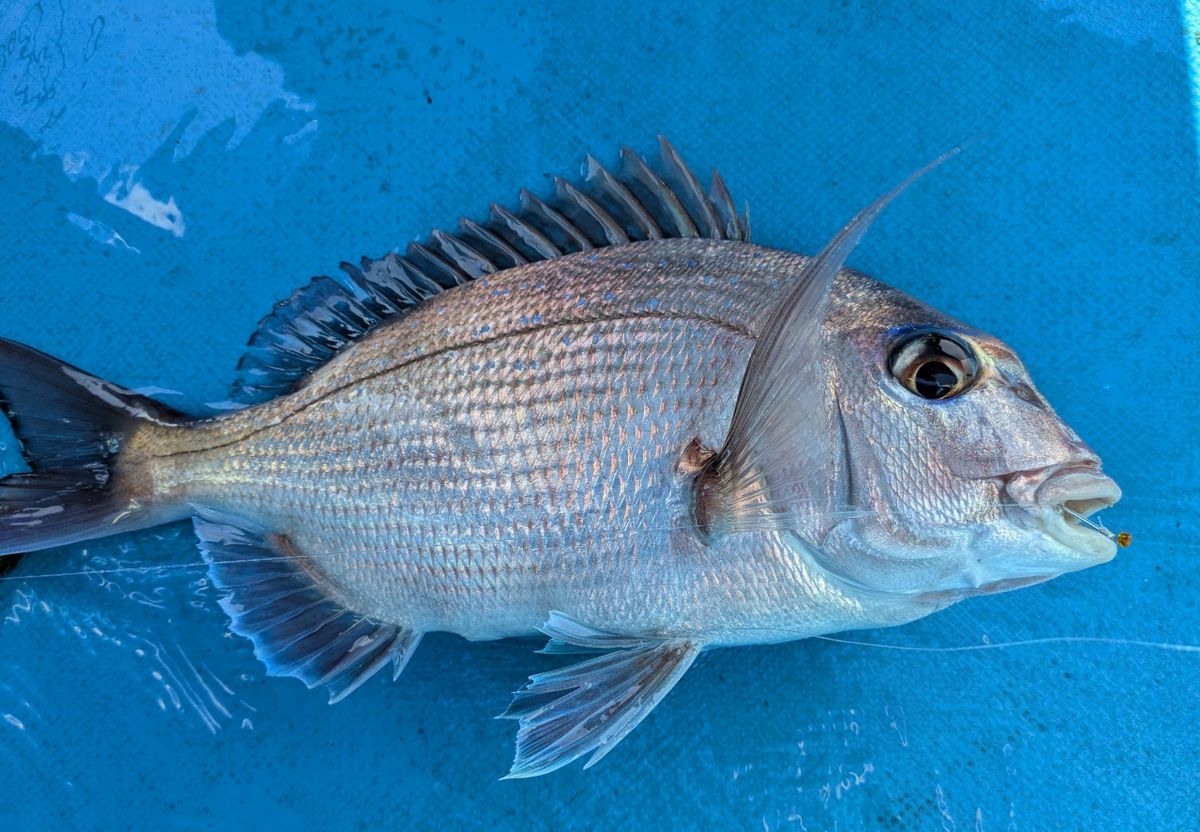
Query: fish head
[{"x": 965, "y": 479}]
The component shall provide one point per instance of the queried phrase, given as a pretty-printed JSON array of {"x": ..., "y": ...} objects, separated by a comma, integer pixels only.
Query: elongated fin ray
[
  {"x": 780, "y": 444},
  {"x": 589, "y": 707},
  {"x": 642, "y": 203},
  {"x": 298, "y": 628}
]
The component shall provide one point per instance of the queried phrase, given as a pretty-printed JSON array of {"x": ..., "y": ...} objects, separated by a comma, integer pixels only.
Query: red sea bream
[{"x": 609, "y": 418}]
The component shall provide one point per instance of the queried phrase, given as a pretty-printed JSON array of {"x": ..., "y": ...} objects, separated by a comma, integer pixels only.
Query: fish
[{"x": 606, "y": 417}]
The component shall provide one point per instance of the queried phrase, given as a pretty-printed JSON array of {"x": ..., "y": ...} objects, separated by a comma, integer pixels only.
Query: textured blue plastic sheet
[{"x": 166, "y": 174}]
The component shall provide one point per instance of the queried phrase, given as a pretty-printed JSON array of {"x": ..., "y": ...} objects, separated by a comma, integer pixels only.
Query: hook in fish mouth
[{"x": 1064, "y": 503}]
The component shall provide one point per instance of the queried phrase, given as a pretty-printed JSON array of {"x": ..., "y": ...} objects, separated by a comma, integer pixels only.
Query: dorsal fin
[{"x": 639, "y": 202}]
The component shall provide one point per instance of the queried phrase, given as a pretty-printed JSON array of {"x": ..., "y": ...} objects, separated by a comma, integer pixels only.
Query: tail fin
[{"x": 71, "y": 427}]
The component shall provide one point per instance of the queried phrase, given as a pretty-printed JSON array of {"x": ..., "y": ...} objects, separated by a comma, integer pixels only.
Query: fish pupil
[{"x": 934, "y": 380}]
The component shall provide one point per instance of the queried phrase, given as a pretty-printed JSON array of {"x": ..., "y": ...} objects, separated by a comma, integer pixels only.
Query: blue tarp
[{"x": 168, "y": 173}]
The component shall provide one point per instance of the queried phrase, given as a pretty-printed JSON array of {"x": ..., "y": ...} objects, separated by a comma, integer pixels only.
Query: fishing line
[
  {"x": 965, "y": 648},
  {"x": 1033, "y": 642},
  {"x": 124, "y": 569}
]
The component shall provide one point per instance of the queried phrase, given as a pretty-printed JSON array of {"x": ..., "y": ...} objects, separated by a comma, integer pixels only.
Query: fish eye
[{"x": 933, "y": 365}]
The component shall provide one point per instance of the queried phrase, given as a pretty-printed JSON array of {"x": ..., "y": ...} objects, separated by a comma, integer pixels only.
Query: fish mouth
[
  {"x": 1057, "y": 501},
  {"x": 1066, "y": 499}
]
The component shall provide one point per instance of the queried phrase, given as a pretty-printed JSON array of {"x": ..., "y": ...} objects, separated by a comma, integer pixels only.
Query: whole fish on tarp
[{"x": 607, "y": 417}]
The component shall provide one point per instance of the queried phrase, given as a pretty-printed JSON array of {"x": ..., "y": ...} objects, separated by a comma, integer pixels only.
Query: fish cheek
[
  {"x": 908, "y": 455},
  {"x": 898, "y": 470}
]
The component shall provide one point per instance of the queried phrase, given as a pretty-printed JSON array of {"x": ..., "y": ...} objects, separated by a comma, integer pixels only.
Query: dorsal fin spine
[
  {"x": 570, "y": 239},
  {"x": 315, "y": 322},
  {"x": 572, "y": 198},
  {"x": 654, "y": 185},
  {"x": 424, "y": 285},
  {"x": 622, "y": 197},
  {"x": 469, "y": 261},
  {"x": 526, "y": 234},
  {"x": 378, "y": 302},
  {"x": 718, "y": 194},
  {"x": 443, "y": 273},
  {"x": 394, "y": 281},
  {"x": 690, "y": 192},
  {"x": 490, "y": 238}
]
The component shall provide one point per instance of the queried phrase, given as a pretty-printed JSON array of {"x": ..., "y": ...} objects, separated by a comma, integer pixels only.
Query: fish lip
[{"x": 1085, "y": 490}]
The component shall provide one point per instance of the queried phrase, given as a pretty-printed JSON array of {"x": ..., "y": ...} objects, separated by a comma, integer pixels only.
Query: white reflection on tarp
[
  {"x": 101, "y": 232},
  {"x": 127, "y": 615},
  {"x": 73, "y": 83}
]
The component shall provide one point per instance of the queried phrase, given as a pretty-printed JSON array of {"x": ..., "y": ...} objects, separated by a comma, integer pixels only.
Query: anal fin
[
  {"x": 589, "y": 707},
  {"x": 274, "y": 599}
]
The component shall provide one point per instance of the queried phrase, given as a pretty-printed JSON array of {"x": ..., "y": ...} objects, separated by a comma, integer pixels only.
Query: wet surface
[{"x": 171, "y": 174}]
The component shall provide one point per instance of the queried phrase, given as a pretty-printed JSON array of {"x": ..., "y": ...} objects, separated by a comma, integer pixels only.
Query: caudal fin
[{"x": 72, "y": 427}]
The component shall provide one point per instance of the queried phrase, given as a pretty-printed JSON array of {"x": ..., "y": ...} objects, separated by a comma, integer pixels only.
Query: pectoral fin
[
  {"x": 775, "y": 465},
  {"x": 587, "y": 708}
]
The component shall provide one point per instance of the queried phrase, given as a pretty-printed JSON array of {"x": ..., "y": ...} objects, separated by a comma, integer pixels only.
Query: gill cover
[{"x": 776, "y": 464}]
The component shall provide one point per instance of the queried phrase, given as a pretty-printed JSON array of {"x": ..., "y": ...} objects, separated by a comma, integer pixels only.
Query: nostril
[
  {"x": 1027, "y": 394},
  {"x": 1085, "y": 461}
]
